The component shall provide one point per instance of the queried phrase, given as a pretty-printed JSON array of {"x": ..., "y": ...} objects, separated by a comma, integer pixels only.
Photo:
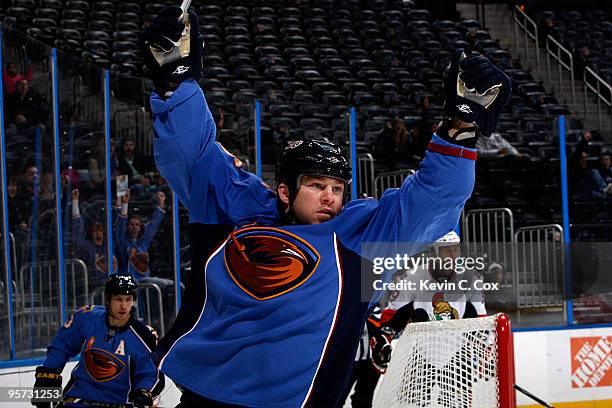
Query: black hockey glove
[
  {"x": 46, "y": 378},
  {"x": 380, "y": 349},
  {"x": 142, "y": 398},
  {"x": 475, "y": 91},
  {"x": 172, "y": 48}
]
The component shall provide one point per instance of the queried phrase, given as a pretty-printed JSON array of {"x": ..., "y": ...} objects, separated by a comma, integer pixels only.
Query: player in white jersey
[{"x": 441, "y": 288}]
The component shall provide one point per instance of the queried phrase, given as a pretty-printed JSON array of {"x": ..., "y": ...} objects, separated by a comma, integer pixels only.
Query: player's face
[
  {"x": 121, "y": 306},
  {"x": 319, "y": 199},
  {"x": 446, "y": 254},
  {"x": 451, "y": 252}
]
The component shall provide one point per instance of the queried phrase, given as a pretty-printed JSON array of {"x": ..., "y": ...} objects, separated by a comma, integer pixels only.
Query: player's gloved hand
[
  {"x": 172, "y": 48},
  {"x": 47, "y": 378},
  {"x": 142, "y": 398},
  {"x": 475, "y": 91},
  {"x": 380, "y": 349}
]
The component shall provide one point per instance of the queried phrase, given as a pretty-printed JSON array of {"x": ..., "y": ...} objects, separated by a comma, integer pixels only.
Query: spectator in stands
[
  {"x": 24, "y": 108},
  {"x": 581, "y": 59},
  {"x": 585, "y": 184},
  {"x": 394, "y": 145},
  {"x": 29, "y": 179},
  {"x": 47, "y": 186},
  {"x": 495, "y": 147},
  {"x": 546, "y": 28},
  {"x": 18, "y": 219},
  {"x": 28, "y": 190},
  {"x": 577, "y": 166},
  {"x": 263, "y": 29},
  {"x": 159, "y": 182},
  {"x": 92, "y": 251},
  {"x": 132, "y": 162},
  {"x": 141, "y": 187},
  {"x": 281, "y": 135},
  {"x": 96, "y": 167},
  {"x": 539, "y": 100},
  {"x": 10, "y": 77},
  {"x": 470, "y": 37},
  {"x": 133, "y": 246},
  {"x": 227, "y": 131},
  {"x": 604, "y": 169},
  {"x": 602, "y": 175},
  {"x": 427, "y": 125}
]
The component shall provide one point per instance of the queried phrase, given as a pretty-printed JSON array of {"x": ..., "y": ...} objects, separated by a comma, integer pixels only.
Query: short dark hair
[
  {"x": 26, "y": 165},
  {"x": 129, "y": 138}
]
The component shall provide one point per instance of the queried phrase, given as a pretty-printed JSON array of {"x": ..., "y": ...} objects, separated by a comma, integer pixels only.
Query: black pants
[
  {"x": 365, "y": 379},
  {"x": 193, "y": 400}
]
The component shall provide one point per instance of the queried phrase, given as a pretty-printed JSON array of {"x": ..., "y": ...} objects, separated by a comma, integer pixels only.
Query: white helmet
[{"x": 449, "y": 239}]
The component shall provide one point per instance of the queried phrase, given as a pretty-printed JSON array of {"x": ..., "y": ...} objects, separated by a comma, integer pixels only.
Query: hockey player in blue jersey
[
  {"x": 115, "y": 365},
  {"x": 272, "y": 313}
]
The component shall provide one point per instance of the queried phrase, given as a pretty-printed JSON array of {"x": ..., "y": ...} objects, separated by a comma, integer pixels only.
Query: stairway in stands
[
  {"x": 500, "y": 23},
  {"x": 593, "y": 309}
]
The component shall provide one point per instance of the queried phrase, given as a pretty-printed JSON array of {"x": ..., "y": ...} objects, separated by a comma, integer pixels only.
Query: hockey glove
[
  {"x": 475, "y": 91},
  {"x": 46, "y": 378},
  {"x": 142, "y": 398},
  {"x": 172, "y": 48},
  {"x": 380, "y": 349}
]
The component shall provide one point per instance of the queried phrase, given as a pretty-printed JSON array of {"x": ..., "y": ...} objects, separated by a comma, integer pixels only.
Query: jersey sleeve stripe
[{"x": 452, "y": 151}]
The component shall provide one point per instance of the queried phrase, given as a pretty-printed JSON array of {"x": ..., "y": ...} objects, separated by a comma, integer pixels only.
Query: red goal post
[{"x": 465, "y": 363}]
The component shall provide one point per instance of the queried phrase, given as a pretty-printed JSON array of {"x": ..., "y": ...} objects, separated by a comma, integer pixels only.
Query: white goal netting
[{"x": 445, "y": 364}]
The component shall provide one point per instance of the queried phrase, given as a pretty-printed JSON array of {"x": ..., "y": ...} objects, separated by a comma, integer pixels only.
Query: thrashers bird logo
[
  {"x": 139, "y": 260},
  {"x": 101, "y": 365},
  {"x": 101, "y": 264},
  {"x": 268, "y": 262}
]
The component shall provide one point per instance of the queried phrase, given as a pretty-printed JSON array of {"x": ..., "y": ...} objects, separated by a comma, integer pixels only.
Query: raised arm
[
  {"x": 78, "y": 227},
  {"x": 158, "y": 216},
  {"x": 209, "y": 180},
  {"x": 122, "y": 221},
  {"x": 428, "y": 204}
]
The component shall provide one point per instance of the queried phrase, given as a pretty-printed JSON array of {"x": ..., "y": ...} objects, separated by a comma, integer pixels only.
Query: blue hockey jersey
[
  {"x": 112, "y": 363},
  {"x": 278, "y": 312}
]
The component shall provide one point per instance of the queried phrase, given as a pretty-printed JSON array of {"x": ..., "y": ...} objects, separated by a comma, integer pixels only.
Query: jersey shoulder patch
[
  {"x": 86, "y": 308},
  {"x": 146, "y": 333}
]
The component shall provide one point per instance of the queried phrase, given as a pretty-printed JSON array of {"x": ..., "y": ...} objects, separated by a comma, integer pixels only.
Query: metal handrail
[
  {"x": 523, "y": 24},
  {"x": 538, "y": 266},
  {"x": 365, "y": 174},
  {"x": 390, "y": 179},
  {"x": 597, "y": 90},
  {"x": 490, "y": 230},
  {"x": 487, "y": 211},
  {"x": 557, "y": 56}
]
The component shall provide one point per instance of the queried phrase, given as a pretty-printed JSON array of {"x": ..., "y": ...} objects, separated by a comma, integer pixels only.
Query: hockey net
[{"x": 465, "y": 363}]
